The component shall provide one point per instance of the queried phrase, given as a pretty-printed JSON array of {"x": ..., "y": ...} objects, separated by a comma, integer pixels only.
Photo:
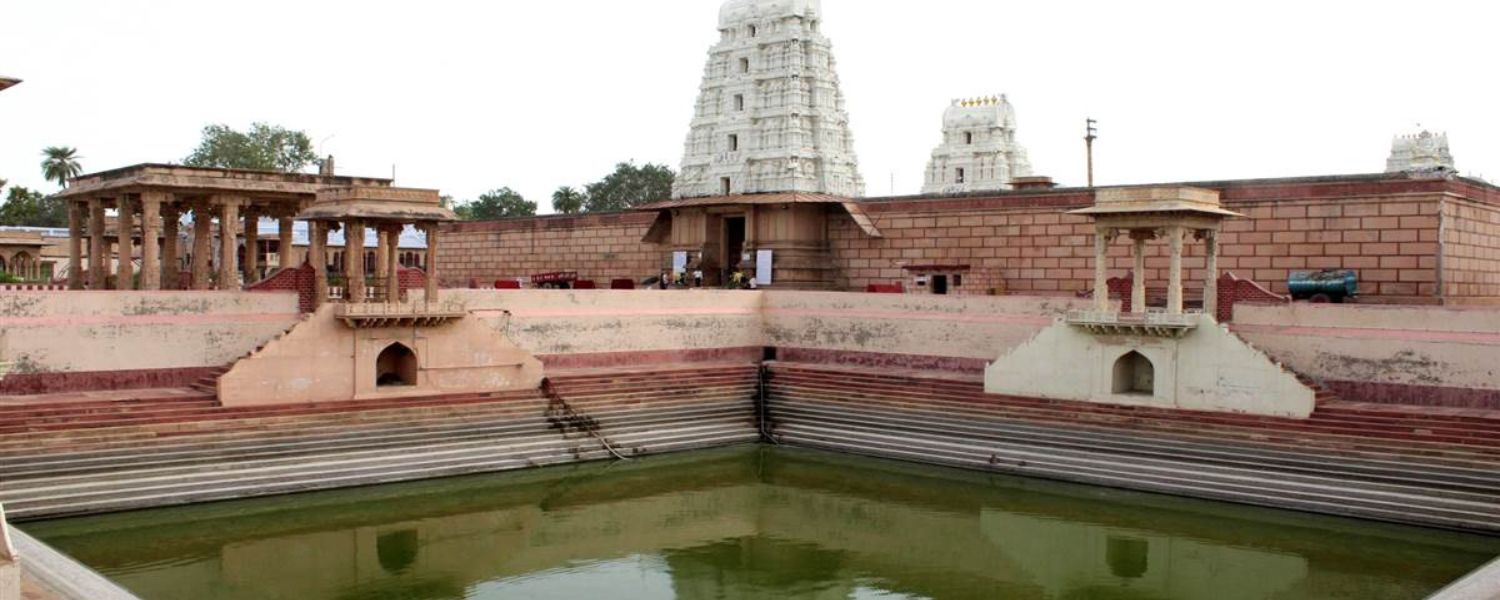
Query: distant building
[
  {"x": 979, "y": 150},
  {"x": 770, "y": 116},
  {"x": 1420, "y": 152}
]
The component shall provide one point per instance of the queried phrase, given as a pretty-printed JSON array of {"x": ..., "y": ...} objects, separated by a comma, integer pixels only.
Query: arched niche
[
  {"x": 1134, "y": 374},
  {"x": 396, "y": 366}
]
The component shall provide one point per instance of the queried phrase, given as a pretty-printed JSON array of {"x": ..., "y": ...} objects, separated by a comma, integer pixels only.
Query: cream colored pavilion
[
  {"x": 158, "y": 195},
  {"x": 388, "y": 210},
  {"x": 1160, "y": 212}
]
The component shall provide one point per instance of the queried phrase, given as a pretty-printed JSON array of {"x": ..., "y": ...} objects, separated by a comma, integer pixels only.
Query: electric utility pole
[{"x": 1092, "y": 133}]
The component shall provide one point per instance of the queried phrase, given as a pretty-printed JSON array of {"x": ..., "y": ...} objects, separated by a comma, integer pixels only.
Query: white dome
[{"x": 735, "y": 12}]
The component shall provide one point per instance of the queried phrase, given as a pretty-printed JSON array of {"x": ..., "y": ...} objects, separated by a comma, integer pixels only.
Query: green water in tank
[{"x": 755, "y": 522}]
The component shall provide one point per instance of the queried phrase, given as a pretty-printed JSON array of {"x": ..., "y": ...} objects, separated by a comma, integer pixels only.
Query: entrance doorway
[
  {"x": 940, "y": 284},
  {"x": 734, "y": 244},
  {"x": 396, "y": 366}
]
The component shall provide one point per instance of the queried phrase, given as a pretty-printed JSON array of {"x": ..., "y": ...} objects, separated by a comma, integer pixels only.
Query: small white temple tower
[
  {"x": 1421, "y": 152},
  {"x": 770, "y": 116},
  {"x": 979, "y": 150}
]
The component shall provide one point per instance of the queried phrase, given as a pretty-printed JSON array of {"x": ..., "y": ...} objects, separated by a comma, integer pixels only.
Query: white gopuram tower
[
  {"x": 770, "y": 116},
  {"x": 979, "y": 150},
  {"x": 1422, "y": 152}
]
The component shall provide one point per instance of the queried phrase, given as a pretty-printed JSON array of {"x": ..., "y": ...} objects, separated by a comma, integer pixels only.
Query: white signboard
[
  {"x": 679, "y": 263},
  {"x": 762, "y": 267}
]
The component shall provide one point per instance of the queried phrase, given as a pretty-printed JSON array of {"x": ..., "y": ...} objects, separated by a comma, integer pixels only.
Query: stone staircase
[
  {"x": 209, "y": 383},
  {"x": 1413, "y": 466},
  {"x": 92, "y": 456}
]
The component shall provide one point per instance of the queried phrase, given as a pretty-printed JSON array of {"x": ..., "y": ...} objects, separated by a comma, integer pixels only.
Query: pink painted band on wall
[
  {"x": 1406, "y": 335},
  {"x": 137, "y": 320}
]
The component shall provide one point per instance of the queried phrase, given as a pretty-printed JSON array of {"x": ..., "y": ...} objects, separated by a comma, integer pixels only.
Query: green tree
[
  {"x": 629, "y": 186},
  {"x": 568, "y": 201},
  {"x": 60, "y": 164},
  {"x": 263, "y": 148},
  {"x": 33, "y": 209},
  {"x": 496, "y": 204}
]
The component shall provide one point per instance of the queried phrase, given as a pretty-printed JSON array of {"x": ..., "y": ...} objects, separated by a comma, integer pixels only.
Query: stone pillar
[
  {"x": 1174, "y": 273},
  {"x": 229, "y": 218},
  {"x": 98, "y": 248},
  {"x": 354, "y": 261},
  {"x": 317, "y": 256},
  {"x": 252, "y": 245},
  {"x": 284, "y": 242},
  {"x": 1138, "y": 271},
  {"x": 125, "y": 233},
  {"x": 75, "y": 245},
  {"x": 392, "y": 264},
  {"x": 203, "y": 260},
  {"x": 382, "y": 251},
  {"x": 1211, "y": 273},
  {"x": 150, "y": 234},
  {"x": 171, "y": 217},
  {"x": 432, "y": 270},
  {"x": 1101, "y": 268}
]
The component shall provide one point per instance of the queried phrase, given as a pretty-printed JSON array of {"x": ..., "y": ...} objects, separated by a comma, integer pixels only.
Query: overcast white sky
[{"x": 467, "y": 96}]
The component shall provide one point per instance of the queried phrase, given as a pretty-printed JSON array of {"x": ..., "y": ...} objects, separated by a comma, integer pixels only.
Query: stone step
[
  {"x": 179, "y": 464},
  {"x": 1251, "y": 486},
  {"x": 1479, "y": 478},
  {"x": 221, "y": 413},
  {"x": 1448, "y": 433},
  {"x": 1292, "y": 437},
  {"x": 253, "y": 478}
]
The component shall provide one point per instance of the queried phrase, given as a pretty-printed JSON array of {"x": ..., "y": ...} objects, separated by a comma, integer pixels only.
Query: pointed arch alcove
[
  {"x": 396, "y": 366},
  {"x": 1134, "y": 374}
]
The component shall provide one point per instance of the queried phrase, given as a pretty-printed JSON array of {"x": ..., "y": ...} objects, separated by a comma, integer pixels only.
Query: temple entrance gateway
[{"x": 396, "y": 366}]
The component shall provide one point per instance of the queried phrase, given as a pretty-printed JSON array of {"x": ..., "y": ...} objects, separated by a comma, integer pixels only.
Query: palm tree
[
  {"x": 61, "y": 164},
  {"x": 568, "y": 201}
]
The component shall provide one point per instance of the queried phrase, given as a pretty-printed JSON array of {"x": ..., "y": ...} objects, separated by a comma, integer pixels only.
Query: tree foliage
[
  {"x": 568, "y": 201},
  {"x": 496, "y": 204},
  {"x": 60, "y": 164},
  {"x": 263, "y": 148},
  {"x": 33, "y": 209},
  {"x": 629, "y": 186}
]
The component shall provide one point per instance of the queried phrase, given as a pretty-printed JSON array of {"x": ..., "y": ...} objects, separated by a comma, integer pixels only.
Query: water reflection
[{"x": 751, "y": 523}]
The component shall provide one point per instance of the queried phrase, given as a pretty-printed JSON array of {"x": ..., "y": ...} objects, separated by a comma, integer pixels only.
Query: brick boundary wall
[
  {"x": 1417, "y": 241},
  {"x": 600, "y": 247}
]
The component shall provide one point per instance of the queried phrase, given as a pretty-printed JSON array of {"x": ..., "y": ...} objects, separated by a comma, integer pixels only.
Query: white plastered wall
[{"x": 1208, "y": 369}]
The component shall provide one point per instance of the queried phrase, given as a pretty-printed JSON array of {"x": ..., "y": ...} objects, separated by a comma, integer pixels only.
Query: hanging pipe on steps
[
  {"x": 761, "y": 416},
  {"x": 570, "y": 418}
]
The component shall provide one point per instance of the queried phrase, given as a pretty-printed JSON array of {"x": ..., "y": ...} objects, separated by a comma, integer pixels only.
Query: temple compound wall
[
  {"x": 1411, "y": 240},
  {"x": 1442, "y": 356},
  {"x": 104, "y": 340},
  {"x": 95, "y": 340}
]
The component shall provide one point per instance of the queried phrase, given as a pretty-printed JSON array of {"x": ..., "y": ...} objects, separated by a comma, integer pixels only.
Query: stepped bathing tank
[{"x": 629, "y": 374}]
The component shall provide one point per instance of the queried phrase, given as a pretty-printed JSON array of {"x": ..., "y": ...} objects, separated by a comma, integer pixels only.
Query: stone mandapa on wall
[
  {"x": 1408, "y": 355},
  {"x": 100, "y": 340}
]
